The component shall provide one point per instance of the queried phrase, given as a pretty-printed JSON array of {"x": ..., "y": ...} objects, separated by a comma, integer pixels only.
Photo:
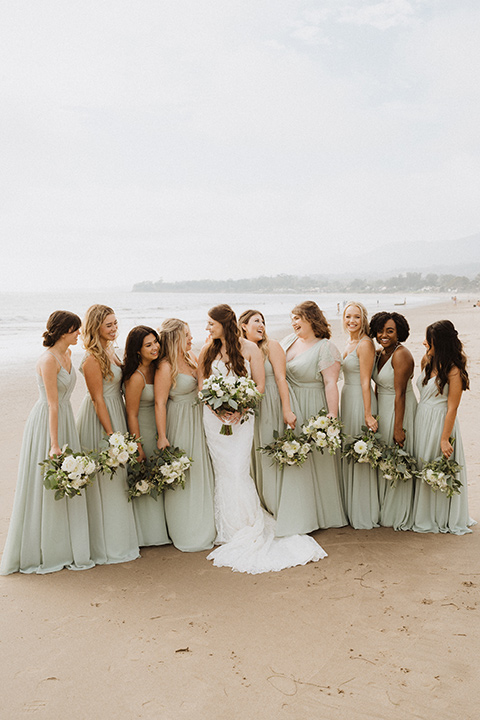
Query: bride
[{"x": 245, "y": 532}]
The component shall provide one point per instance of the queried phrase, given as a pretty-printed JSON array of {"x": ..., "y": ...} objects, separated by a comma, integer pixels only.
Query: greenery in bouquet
[
  {"x": 122, "y": 448},
  {"x": 397, "y": 465},
  {"x": 139, "y": 480},
  {"x": 68, "y": 473},
  {"x": 287, "y": 449},
  {"x": 324, "y": 433},
  {"x": 442, "y": 474},
  {"x": 366, "y": 447},
  {"x": 229, "y": 394},
  {"x": 168, "y": 468}
]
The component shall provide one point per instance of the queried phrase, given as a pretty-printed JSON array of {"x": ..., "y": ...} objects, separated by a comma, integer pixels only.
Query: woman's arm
[
  {"x": 366, "y": 357},
  {"x": 94, "y": 381},
  {"x": 279, "y": 365},
  {"x": 48, "y": 369},
  {"x": 330, "y": 380},
  {"x": 201, "y": 369},
  {"x": 455, "y": 389},
  {"x": 403, "y": 365},
  {"x": 162, "y": 385},
  {"x": 133, "y": 391},
  {"x": 254, "y": 355}
]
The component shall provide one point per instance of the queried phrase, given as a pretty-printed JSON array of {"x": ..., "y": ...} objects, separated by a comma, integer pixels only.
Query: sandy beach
[{"x": 386, "y": 627}]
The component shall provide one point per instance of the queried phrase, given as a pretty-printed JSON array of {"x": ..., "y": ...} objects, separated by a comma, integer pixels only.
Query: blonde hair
[
  {"x": 173, "y": 342},
  {"x": 244, "y": 319},
  {"x": 94, "y": 318},
  {"x": 365, "y": 326}
]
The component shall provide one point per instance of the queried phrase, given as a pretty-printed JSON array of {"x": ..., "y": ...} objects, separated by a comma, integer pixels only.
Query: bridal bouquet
[
  {"x": 168, "y": 468},
  {"x": 288, "y": 449},
  {"x": 122, "y": 449},
  {"x": 441, "y": 474},
  {"x": 324, "y": 432},
  {"x": 396, "y": 464},
  {"x": 68, "y": 473},
  {"x": 139, "y": 481},
  {"x": 227, "y": 394},
  {"x": 366, "y": 447}
]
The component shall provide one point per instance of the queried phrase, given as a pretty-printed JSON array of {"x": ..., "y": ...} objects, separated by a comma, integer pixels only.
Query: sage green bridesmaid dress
[
  {"x": 310, "y": 495},
  {"x": 149, "y": 513},
  {"x": 113, "y": 536},
  {"x": 189, "y": 511},
  {"x": 46, "y": 535},
  {"x": 433, "y": 511},
  {"x": 360, "y": 480},
  {"x": 268, "y": 477},
  {"x": 396, "y": 503}
]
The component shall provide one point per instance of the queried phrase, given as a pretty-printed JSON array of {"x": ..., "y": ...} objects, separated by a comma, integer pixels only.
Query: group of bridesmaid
[{"x": 152, "y": 392}]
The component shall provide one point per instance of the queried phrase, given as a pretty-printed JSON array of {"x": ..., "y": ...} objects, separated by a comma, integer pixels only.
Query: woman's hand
[
  {"x": 290, "y": 419},
  {"x": 371, "y": 423},
  {"x": 232, "y": 418},
  {"x": 399, "y": 437},
  {"x": 141, "y": 454},
  {"x": 55, "y": 450},
  {"x": 162, "y": 443},
  {"x": 446, "y": 447}
]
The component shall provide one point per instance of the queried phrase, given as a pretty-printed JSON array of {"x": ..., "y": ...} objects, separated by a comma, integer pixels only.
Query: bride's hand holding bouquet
[{"x": 231, "y": 398}]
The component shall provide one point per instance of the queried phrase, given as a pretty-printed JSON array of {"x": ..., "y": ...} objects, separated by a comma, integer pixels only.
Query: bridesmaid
[
  {"x": 275, "y": 411},
  {"x": 443, "y": 379},
  {"x": 397, "y": 405},
  {"x": 139, "y": 364},
  {"x": 113, "y": 536},
  {"x": 189, "y": 511},
  {"x": 311, "y": 495},
  {"x": 46, "y": 535},
  {"x": 358, "y": 405}
]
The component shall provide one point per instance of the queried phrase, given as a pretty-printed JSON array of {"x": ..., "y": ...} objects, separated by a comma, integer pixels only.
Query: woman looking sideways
[
  {"x": 113, "y": 536},
  {"x": 140, "y": 361},
  {"x": 275, "y": 411},
  {"x": 188, "y": 511},
  {"x": 313, "y": 497},
  {"x": 397, "y": 405},
  {"x": 357, "y": 409},
  {"x": 443, "y": 379},
  {"x": 46, "y": 535}
]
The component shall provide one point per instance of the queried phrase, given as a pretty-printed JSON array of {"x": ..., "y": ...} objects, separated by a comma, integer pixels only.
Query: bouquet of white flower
[
  {"x": 168, "y": 468},
  {"x": 68, "y": 472},
  {"x": 287, "y": 449},
  {"x": 442, "y": 474},
  {"x": 324, "y": 432},
  {"x": 396, "y": 464},
  {"x": 122, "y": 449},
  {"x": 366, "y": 447},
  {"x": 139, "y": 480},
  {"x": 225, "y": 393}
]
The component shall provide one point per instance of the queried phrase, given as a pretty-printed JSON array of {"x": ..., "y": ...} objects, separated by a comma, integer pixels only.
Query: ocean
[{"x": 23, "y": 315}]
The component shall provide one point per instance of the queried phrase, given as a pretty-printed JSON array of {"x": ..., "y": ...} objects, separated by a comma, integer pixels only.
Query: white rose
[
  {"x": 123, "y": 457},
  {"x": 90, "y": 467},
  {"x": 69, "y": 464},
  {"x": 332, "y": 431},
  {"x": 142, "y": 487},
  {"x": 116, "y": 439},
  {"x": 77, "y": 482},
  {"x": 360, "y": 447},
  {"x": 132, "y": 447},
  {"x": 322, "y": 422}
]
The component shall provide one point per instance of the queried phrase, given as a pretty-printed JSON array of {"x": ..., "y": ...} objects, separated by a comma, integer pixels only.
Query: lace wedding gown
[{"x": 245, "y": 532}]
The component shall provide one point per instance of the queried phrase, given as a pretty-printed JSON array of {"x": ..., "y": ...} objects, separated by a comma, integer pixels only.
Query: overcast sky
[{"x": 231, "y": 138}]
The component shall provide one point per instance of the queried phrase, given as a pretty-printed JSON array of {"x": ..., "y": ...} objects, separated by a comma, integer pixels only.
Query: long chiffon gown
[
  {"x": 45, "y": 534},
  {"x": 246, "y": 531},
  {"x": 189, "y": 511},
  {"x": 311, "y": 495},
  {"x": 433, "y": 511},
  {"x": 113, "y": 537},
  {"x": 268, "y": 476},
  {"x": 396, "y": 503},
  {"x": 360, "y": 480},
  {"x": 149, "y": 513}
]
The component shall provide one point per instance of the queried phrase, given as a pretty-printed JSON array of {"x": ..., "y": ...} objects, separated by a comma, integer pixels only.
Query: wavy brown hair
[
  {"x": 244, "y": 319},
  {"x": 60, "y": 323},
  {"x": 310, "y": 312},
  {"x": 94, "y": 317},
  {"x": 173, "y": 342},
  {"x": 235, "y": 360},
  {"x": 133, "y": 346},
  {"x": 448, "y": 353}
]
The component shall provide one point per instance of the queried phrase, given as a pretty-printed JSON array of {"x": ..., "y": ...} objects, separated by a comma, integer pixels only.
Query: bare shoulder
[
  {"x": 249, "y": 348},
  {"x": 47, "y": 361}
]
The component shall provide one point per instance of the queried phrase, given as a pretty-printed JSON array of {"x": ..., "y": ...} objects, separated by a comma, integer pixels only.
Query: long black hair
[
  {"x": 133, "y": 345},
  {"x": 448, "y": 353}
]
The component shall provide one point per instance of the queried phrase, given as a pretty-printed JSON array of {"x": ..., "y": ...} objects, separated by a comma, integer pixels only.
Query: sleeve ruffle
[{"x": 328, "y": 355}]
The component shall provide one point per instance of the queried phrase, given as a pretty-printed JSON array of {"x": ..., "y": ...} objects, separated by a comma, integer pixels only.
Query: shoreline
[{"x": 385, "y": 626}]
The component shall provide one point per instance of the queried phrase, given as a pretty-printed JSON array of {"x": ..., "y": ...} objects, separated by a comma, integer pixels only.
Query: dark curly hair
[
  {"x": 310, "y": 312},
  {"x": 133, "y": 345},
  {"x": 377, "y": 323},
  {"x": 60, "y": 323},
  {"x": 235, "y": 362},
  {"x": 448, "y": 353}
]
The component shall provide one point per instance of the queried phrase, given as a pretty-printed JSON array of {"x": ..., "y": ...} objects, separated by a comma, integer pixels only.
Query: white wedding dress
[{"x": 245, "y": 532}]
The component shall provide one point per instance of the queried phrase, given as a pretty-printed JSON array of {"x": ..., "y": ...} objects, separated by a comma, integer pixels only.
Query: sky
[{"x": 188, "y": 139}]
